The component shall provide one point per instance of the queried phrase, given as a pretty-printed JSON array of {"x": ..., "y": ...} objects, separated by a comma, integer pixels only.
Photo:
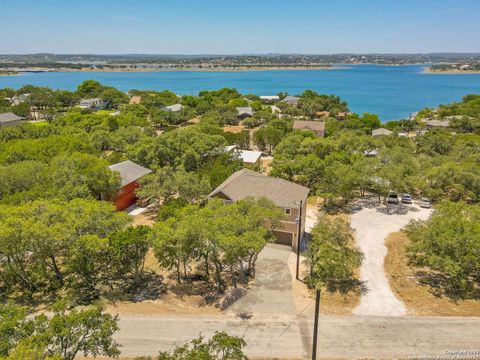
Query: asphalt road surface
[{"x": 290, "y": 337}]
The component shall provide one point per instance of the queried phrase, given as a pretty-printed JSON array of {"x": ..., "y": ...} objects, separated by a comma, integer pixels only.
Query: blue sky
[{"x": 239, "y": 27}]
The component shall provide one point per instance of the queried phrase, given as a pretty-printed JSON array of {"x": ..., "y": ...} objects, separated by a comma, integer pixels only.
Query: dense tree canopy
[{"x": 449, "y": 243}]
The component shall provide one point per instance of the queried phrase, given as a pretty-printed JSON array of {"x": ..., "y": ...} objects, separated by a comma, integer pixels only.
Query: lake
[{"x": 392, "y": 92}]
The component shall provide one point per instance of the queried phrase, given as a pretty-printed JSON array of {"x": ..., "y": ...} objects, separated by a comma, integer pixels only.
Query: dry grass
[
  {"x": 145, "y": 218},
  {"x": 418, "y": 298},
  {"x": 266, "y": 164},
  {"x": 233, "y": 128}
]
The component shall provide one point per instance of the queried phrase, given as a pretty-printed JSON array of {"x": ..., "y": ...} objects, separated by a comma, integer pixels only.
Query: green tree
[
  {"x": 448, "y": 243},
  {"x": 220, "y": 347},
  {"x": 127, "y": 251},
  {"x": 62, "y": 337}
]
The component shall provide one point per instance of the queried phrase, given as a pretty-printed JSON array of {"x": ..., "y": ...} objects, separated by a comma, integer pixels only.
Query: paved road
[
  {"x": 372, "y": 226},
  {"x": 271, "y": 292},
  {"x": 289, "y": 337}
]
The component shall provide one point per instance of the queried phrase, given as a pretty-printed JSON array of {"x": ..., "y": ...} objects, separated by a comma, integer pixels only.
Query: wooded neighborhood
[{"x": 107, "y": 197}]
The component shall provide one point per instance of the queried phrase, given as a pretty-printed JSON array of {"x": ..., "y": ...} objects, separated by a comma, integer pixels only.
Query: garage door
[{"x": 282, "y": 237}]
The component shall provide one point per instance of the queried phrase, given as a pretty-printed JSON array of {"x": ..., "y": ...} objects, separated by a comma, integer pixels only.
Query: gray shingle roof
[
  {"x": 309, "y": 125},
  {"x": 244, "y": 183},
  {"x": 291, "y": 99},
  {"x": 381, "y": 131},
  {"x": 129, "y": 171},
  {"x": 245, "y": 110},
  {"x": 8, "y": 117},
  {"x": 438, "y": 123}
]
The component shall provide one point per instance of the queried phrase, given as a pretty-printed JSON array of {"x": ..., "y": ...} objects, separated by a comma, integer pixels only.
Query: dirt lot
[{"x": 418, "y": 298}]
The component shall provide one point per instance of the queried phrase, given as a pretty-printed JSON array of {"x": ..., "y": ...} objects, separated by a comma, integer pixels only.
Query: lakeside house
[
  {"x": 130, "y": 173},
  {"x": 318, "y": 127},
  {"x": 291, "y": 100},
  {"x": 174, "y": 107},
  {"x": 93, "y": 104},
  {"x": 10, "y": 119},
  {"x": 381, "y": 132},
  {"x": 438, "y": 123},
  {"x": 244, "y": 112},
  {"x": 269, "y": 98},
  {"x": 284, "y": 194},
  {"x": 246, "y": 156},
  {"x": 342, "y": 115},
  {"x": 16, "y": 99},
  {"x": 322, "y": 114},
  {"x": 135, "y": 100}
]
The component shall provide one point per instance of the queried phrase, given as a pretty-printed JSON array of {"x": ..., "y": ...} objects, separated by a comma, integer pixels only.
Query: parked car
[
  {"x": 425, "y": 203},
  {"x": 392, "y": 198},
  {"x": 406, "y": 198}
]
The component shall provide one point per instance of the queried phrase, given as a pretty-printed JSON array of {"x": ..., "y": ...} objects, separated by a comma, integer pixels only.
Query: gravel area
[{"x": 372, "y": 226}]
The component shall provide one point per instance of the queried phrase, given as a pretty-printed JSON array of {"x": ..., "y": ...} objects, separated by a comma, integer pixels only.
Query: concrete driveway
[
  {"x": 271, "y": 291},
  {"x": 372, "y": 225}
]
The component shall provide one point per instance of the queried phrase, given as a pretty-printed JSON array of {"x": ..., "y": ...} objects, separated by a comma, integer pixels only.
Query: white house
[
  {"x": 269, "y": 98},
  {"x": 93, "y": 104},
  {"x": 247, "y": 156},
  {"x": 174, "y": 107}
]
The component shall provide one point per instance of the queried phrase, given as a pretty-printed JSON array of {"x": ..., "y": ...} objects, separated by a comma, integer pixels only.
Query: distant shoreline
[
  {"x": 190, "y": 68},
  {"x": 429, "y": 70}
]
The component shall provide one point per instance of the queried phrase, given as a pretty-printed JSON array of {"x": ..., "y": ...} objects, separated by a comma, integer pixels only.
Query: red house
[{"x": 129, "y": 174}]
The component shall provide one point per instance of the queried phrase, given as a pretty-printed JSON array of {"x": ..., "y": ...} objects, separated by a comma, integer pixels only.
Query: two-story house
[{"x": 285, "y": 194}]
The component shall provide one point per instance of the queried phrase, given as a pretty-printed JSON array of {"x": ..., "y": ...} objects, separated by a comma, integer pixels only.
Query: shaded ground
[
  {"x": 181, "y": 300},
  {"x": 419, "y": 299},
  {"x": 372, "y": 225}
]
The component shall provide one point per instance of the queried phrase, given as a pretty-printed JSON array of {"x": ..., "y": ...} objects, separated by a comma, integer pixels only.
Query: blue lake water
[{"x": 392, "y": 92}]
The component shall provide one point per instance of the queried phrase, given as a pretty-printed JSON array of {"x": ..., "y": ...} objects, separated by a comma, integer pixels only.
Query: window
[{"x": 288, "y": 211}]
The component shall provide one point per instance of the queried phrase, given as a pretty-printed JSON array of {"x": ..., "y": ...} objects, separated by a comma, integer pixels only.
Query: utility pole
[
  {"x": 299, "y": 230},
  {"x": 315, "y": 325}
]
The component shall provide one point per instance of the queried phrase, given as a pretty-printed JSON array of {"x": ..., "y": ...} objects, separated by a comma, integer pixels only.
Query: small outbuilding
[
  {"x": 10, "y": 119},
  {"x": 130, "y": 173}
]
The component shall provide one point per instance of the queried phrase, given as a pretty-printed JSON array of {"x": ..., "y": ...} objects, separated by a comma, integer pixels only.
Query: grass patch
[{"x": 419, "y": 299}]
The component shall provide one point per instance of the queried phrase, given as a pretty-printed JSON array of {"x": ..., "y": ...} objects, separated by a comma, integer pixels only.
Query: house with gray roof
[
  {"x": 129, "y": 173},
  {"x": 291, "y": 100},
  {"x": 244, "y": 112},
  {"x": 10, "y": 119},
  {"x": 381, "y": 132},
  {"x": 318, "y": 127},
  {"x": 284, "y": 194},
  {"x": 438, "y": 123}
]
